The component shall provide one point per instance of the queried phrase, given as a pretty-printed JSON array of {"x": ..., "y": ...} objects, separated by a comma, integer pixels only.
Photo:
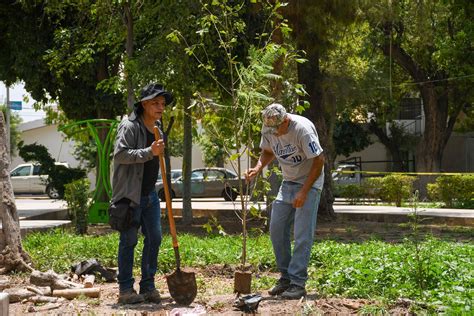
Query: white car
[
  {"x": 27, "y": 178},
  {"x": 346, "y": 174}
]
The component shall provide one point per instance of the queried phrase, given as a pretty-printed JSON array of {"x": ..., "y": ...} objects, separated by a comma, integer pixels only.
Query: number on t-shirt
[
  {"x": 296, "y": 158},
  {"x": 313, "y": 147}
]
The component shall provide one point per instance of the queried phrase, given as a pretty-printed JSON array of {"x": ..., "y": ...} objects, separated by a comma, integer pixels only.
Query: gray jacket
[{"x": 130, "y": 154}]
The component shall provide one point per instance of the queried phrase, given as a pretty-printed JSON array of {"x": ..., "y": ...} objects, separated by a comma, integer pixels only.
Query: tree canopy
[{"x": 345, "y": 64}]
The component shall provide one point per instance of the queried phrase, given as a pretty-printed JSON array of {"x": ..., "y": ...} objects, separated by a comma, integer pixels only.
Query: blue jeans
[
  {"x": 293, "y": 267},
  {"x": 148, "y": 214}
]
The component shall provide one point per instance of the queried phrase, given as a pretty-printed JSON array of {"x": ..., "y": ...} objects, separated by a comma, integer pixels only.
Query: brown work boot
[
  {"x": 152, "y": 297},
  {"x": 130, "y": 297}
]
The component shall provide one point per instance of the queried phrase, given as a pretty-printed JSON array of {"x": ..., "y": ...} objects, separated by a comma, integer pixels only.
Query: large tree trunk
[
  {"x": 430, "y": 149},
  {"x": 309, "y": 74},
  {"x": 12, "y": 255},
  {"x": 187, "y": 159}
]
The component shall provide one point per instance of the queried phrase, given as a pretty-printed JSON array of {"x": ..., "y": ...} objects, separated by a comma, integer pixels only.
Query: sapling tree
[{"x": 231, "y": 113}]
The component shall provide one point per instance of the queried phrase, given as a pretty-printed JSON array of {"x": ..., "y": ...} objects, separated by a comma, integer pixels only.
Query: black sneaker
[
  {"x": 294, "y": 292},
  {"x": 280, "y": 287},
  {"x": 152, "y": 297},
  {"x": 130, "y": 297}
]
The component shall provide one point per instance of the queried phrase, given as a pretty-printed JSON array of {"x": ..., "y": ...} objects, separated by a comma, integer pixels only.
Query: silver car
[
  {"x": 205, "y": 182},
  {"x": 28, "y": 178}
]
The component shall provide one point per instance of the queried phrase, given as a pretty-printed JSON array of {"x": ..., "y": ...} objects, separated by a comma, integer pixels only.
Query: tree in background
[
  {"x": 15, "y": 135},
  {"x": 358, "y": 80},
  {"x": 162, "y": 58},
  {"x": 66, "y": 53},
  {"x": 314, "y": 25},
  {"x": 432, "y": 42}
]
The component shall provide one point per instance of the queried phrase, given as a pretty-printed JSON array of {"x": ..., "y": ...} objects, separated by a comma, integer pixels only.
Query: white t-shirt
[{"x": 295, "y": 150}]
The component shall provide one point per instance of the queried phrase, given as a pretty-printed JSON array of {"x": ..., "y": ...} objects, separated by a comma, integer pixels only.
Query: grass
[{"x": 373, "y": 269}]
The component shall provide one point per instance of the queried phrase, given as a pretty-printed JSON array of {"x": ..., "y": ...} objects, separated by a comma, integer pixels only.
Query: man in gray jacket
[{"x": 136, "y": 167}]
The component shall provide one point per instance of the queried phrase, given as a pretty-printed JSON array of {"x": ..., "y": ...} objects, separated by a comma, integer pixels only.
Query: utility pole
[{"x": 7, "y": 111}]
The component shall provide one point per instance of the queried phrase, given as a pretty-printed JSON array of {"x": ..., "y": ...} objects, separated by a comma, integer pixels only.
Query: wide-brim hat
[{"x": 153, "y": 90}]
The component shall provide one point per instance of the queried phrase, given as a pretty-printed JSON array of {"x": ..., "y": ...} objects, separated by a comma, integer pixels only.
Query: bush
[
  {"x": 352, "y": 192},
  {"x": 453, "y": 191},
  {"x": 77, "y": 197},
  {"x": 372, "y": 187},
  {"x": 396, "y": 188},
  {"x": 60, "y": 176},
  {"x": 393, "y": 188}
]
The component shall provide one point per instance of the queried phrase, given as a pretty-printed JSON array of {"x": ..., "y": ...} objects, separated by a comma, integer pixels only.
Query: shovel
[{"x": 181, "y": 285}]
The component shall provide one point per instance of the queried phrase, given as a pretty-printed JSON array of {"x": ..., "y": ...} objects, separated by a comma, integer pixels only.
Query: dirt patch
[{"x": 214, "y": 297}]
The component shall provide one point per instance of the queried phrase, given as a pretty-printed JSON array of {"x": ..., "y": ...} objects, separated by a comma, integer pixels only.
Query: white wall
[
  {"x": 374, "y": 152},
  {"x": 48, "y": 136}
]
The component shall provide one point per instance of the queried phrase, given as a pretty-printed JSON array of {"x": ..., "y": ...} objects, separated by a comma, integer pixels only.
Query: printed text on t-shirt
[{"x": 284, "y": 152}]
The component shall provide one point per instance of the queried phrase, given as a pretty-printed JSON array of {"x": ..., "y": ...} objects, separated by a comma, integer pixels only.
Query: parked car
[
  {"x": 28, "y": 178},
  {"x": 175, "y": 174},
  {"x": 205, "y": 182},
  {"x": 344, "y": 174}
]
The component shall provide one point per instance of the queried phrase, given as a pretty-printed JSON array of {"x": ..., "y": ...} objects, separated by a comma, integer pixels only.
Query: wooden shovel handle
[{"x": 167, "y": 193}]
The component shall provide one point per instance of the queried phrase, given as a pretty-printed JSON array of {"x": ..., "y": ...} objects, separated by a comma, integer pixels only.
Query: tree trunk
[
  {"x": 187, "y": 159},
  {"x": 12, "y": 255},
  {"x": 310, "y": 76},
  {"x": 390, "y": 145},
  {"x": 128, "y": 21},
  {"x": 438, "y": 122},
  {"x": 430, "y": 149}
]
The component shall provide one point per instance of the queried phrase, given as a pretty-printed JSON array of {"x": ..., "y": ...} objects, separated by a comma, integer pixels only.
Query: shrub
[
  {"x": 352, "y": 192},
  {"x": 393, "y": 188},
  {"x": 396, "y": 188},
  {"x": 453, "y": 191},
  {"x": 77, "y": 197},
  {"x": 372, "y": 187}
]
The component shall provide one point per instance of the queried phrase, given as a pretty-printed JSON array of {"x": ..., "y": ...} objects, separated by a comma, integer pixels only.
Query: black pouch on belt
[{"x": 121, "y": 215}]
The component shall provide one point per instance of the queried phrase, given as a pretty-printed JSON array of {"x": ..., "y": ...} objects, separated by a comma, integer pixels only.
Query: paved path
[
  {"x": 29, "y": 206},
  {"x": 392, "y": 210},
  {"x": 38, "y": 207}
]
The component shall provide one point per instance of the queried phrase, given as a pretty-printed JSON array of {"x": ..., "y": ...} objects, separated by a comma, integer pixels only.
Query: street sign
[{"x": 15, "y": 105}]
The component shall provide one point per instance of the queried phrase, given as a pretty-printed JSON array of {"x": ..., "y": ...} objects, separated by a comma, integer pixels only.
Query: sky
[{"x": 17, "y": 92}]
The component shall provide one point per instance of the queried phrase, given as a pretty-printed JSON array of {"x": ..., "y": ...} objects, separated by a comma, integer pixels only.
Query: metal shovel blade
[{"x": 182, "y": 286}]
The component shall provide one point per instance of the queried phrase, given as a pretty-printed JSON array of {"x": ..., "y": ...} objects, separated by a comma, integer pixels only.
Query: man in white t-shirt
[{"x": 293, "y": 141}]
